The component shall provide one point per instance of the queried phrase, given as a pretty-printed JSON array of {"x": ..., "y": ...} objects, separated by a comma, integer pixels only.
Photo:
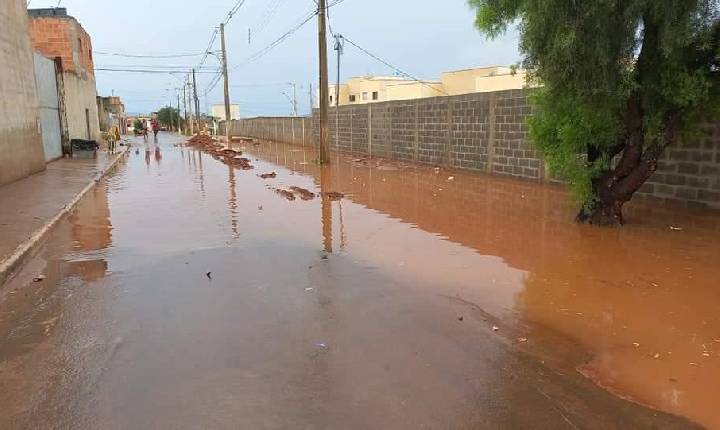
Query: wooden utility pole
[
  {"x": 197, "y": 101},
  {"x": 339, "y": 49},
  {"x": 227, "y": 84},
  {"x": 324, "y": 89},
  {"x": 178, "y": 113},
  {"x": 190, "y": 105},
  {"x": 185, "y": 107}
]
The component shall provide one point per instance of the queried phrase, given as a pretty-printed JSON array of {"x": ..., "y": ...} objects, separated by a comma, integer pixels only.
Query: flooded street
[{"x": 186, "y": 293}]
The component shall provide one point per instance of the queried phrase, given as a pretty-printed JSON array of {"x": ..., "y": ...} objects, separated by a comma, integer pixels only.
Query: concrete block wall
[
  {"x": 293, "y": 130},
  {"x": 487, "y": 132},
  {"x": 21, "y": 148}
]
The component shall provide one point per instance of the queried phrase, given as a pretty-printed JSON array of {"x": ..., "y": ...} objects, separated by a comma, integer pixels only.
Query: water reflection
[
  {"x": 325, "y": 177},
  {"x": 642, "y": 299}
]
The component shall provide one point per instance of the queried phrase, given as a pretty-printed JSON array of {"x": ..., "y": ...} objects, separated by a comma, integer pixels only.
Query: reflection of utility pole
[
  {"x": 326, "y": 208},
  {"x": 339, "y": 45},
  {"x": 295, "y": 104},
  {"x": 227, "y": 85},
  {"x": 324, "y": 90}
]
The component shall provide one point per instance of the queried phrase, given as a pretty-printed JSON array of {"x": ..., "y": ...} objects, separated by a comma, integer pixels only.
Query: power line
[
  {"x": 150, "y": 71},
  {"x": 234, "y": 10},
  {"x": 116, "y": 54},
  {"x": 262, "y": 52},
  {"x": 370, "y": 54}
]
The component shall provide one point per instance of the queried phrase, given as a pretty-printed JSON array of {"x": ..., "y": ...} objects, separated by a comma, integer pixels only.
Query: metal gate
[{"x": 46, "y": 82}]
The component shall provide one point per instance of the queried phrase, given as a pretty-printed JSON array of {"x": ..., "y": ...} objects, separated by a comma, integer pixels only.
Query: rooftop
[{"x": 49, "y": 12}]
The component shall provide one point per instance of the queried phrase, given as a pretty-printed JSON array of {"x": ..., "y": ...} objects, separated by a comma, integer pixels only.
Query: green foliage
[
  {"x": 591, "y": 57},
  {"x": 169, "y": 117},
  {"x": 137, "y": 124}
]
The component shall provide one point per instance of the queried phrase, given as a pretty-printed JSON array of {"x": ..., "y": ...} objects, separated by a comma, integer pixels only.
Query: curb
[{"x": 15, "y": 260}]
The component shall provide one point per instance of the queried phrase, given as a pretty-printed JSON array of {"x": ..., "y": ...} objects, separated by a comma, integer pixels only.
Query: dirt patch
[
  {"x": 285, "y": 193},
  {"x": 303, "y": 193},
  {"x": 220, "y": 152},
  {"x": 334, "y": 196}
]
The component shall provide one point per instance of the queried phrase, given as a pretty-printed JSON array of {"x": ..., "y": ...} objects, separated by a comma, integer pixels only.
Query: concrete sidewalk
[{"x": 31, "y": 206}]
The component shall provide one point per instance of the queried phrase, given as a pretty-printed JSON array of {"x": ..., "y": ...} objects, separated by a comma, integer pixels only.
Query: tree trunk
[{"x": 615, "y": 187}]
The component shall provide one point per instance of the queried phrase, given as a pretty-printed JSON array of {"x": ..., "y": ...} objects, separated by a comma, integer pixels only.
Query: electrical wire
[
  {"x": 150, "y": 71},
  {"x": 262, "y": 52},
  {"x": 116, "y": 54},
  {"x": 388, "y": 64}
]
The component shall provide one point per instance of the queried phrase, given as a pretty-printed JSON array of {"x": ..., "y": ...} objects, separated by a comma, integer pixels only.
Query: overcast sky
[{"x": 421, "y": 37}]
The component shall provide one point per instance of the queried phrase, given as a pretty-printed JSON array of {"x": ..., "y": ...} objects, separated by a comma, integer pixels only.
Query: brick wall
[
  {"x": 487, "y": 132},
  {"x": 63, "y": 37}
]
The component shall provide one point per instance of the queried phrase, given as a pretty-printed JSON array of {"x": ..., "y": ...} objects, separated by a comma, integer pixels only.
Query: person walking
[
  {"x": 113, "y": 136},
  {"x": 155, "y": 127}
]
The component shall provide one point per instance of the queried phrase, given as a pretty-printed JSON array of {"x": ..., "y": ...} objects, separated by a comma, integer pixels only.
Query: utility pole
[
  {"x": 339, "y": 42},
  {"x": 197, "y": 101},
  {"x": 227, "y": 84},
  {"x": 178, "y": 113},
  {"x": 295, "y": 103},
  {"x": 185, "y": 107},
  {"x": 312, "y": 100},
  {"x": 324, "y": 89},
  {"x": 190, "y": 105}
]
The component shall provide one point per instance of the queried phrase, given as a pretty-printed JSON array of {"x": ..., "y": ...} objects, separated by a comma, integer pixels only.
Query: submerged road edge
[{"x": 15, "y": 260}]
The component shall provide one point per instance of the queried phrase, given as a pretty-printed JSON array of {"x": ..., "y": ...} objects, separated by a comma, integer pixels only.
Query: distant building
[
  {"x": 218, "y": 111},
  {"x": 111, "y": 111},
  {"x": 58, "y": 36},
  {"x": 375, "y": 89},
  {"x": 482, "y": 80}
]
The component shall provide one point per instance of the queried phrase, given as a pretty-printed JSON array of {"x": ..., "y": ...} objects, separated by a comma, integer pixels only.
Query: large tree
[
  {"x": 618, "y": 82},
  {"x": 169, "y": 117}
]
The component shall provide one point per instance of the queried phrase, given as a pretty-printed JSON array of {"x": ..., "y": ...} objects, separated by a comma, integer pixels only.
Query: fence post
[
  {"x": 370, "y": 130},
  {"x": 416, "y": 142},
  {"x": 492, "y": 102}
]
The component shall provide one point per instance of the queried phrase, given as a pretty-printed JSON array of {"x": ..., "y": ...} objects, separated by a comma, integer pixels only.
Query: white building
[{"x": 218, "y": 111}]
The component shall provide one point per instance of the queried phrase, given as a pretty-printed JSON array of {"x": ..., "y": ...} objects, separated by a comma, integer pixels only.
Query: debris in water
[
  {"x": 309, "y": 289},
  {"x": 304, "y": 194},
  {"x": 522, "y": 339},
  {"x": 321, "y": 345},
  {"x": 271, "y": 175},
  {"x": 636, "y": 345},
  {"x": 334, "y": 196},
  {"x": 460, "y": 318},
  {"x": 39, "y": 278},
  {"x": 495, "y": 328},
  {"x": 324, "y": 257},
  {"x": 358, "y": 160},
  {"x": 656, "y": 355},
  {"x": 285, "y": 193},
  {"x": 260, "y": 208},
  {"x": 208, "y": 274},
  {"x": 676, "y": 228},
  {"x": 451, "y": 178},
  {"x": 437, "y": 170}
]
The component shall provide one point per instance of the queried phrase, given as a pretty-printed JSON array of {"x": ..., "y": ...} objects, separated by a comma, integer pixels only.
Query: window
[
  {"x": 375, "y": 95},
  {"x": 364, "y": 96},
  {"x": 352, "y": 98}
]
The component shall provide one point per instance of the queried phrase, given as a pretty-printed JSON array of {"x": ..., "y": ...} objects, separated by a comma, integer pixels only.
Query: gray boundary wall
[{"x": 484, "y": 132}]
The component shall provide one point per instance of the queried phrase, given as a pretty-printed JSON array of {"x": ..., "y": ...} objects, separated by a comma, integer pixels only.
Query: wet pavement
[{"x": 185, "y": 293}]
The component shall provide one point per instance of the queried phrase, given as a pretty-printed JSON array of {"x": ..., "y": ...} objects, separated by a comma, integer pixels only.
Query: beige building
[
  {"x": 375, "y": 89},
  {"x": 218, "y": 111}
]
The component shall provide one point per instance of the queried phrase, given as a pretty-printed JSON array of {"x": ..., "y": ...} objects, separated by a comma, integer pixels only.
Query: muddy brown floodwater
[{"x": 186, "y": 293}]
